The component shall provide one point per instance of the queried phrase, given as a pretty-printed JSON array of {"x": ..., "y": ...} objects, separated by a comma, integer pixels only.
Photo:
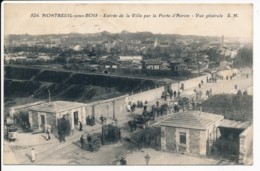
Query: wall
[
  {"x": 170, "y": 138},
  {"x": 22, "y": 108},
  {"x": 163, "y": 138},
  {"x": 203, "y": 143},
  {"x": 228, "y": 73},
  {"x": 194, "y": 141},
  {"x": 191, "y": 83},
  {"x": 33, "y": 119},
  {"x": 108, "y": 108},
  {"x": 51, "y": 120},
  {"x": 245, "y": 144},
  {"x": 149, "y": 95}
]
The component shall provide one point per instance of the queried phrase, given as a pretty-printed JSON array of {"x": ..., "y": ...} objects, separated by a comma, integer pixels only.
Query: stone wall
[
  {"x": 191, "y": 83},
  {"x": 51, "y": 120},
  {"x": 203, "y": 143},
  {"x": 163, "y": 138},
  {"x": 245, "y": 144},
  {"x": 194, "y": 141},
  {"x": 108, "y": 108},
  {"x": 170, "y": 138},
  {"x": 228, "y": 73},
  {"x": 149, "y": 95},
  {"x": 35, "y": 123}
]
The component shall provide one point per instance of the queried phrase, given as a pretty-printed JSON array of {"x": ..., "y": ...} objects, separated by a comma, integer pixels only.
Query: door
[
  {"x": 76, "y": 118},
  {"x": 42, "y": 120}
]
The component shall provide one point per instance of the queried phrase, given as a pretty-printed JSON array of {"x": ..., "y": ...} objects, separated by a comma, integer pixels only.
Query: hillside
[{"x": 34, "y": 83}]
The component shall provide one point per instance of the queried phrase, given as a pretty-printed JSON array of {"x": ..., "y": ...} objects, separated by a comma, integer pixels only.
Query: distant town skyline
[{"x": 19, "y": 19}]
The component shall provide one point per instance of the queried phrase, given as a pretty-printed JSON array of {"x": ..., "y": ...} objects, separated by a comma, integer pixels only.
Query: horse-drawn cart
[{"x": 90, "y": 142}]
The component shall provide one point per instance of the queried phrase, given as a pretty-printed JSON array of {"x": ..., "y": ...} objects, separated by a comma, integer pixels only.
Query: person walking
[
  {"x": 171, "y": 94},
  {"x": 48, "y": 137},
  {"x": 33, "y": 154},
  {"x": 102, "y": 119},
  {"x": 80, "y": 126},
  {"x": 174, "y": 94},
  {"x": 82, "y": 141}
]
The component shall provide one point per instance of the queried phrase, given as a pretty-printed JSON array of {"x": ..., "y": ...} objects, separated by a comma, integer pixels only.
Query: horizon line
[{"x": 127, "y": 32}]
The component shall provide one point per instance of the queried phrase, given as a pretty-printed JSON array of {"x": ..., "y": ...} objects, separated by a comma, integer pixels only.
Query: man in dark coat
[
  {"x": 82, "y": 141},
  {"x": 88, "y": 120},
  {"x": 80, "y": 126},
  {"x": 88, "y": 138},
  {"x": 171, "y": 94},
  {"x": 63, "y": 128}
]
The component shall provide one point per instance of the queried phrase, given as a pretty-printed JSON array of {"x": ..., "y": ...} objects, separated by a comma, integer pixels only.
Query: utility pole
[{"x": 49, "y": 95}]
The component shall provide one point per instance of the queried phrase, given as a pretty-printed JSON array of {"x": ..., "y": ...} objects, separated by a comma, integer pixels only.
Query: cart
[
  {"x": 11, "y": 133},
  {"x": 93, "y": 145}
]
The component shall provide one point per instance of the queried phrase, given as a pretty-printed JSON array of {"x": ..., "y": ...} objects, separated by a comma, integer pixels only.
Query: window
[{"x": 182, "y": 138}]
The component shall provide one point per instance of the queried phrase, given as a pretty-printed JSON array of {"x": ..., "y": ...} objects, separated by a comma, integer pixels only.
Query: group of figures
[
  {"x": 90, "y": 120},
  {"x": 131, "y": 106},
  {"x": 147, "y": 115},
  {"x": 171, "y": 94}
]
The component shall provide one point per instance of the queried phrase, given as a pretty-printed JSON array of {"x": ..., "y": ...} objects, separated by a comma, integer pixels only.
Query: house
[
  {"x": 133, "y": 59},
  {"x": 16, "y": 112},
  {"x": 109, "y": 65},
  {"x": 153, "y": 64},
  {"x": 189, "y": 132},
  {"x": 177, "y": 66},
  {"x": 48, "y": 114}
]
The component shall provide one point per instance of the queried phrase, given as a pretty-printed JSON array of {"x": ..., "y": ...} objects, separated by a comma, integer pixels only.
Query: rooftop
[
  {"x": 226, "y": 123},
  {"x": 192, "y": 119},
  {"x": 153, "y": 62},
  {"x": 56, "y": 106}
]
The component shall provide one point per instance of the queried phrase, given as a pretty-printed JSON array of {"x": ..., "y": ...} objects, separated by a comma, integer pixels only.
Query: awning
[{"x": 226, "y": 123}]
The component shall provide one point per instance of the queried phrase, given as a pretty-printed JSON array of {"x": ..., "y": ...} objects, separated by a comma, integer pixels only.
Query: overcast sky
[{"x": 18, "y": 19}]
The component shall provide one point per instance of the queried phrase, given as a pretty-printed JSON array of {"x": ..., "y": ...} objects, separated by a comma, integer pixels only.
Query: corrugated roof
[
  {"x": 226, "y": 123},
  {"x": 192, "y": 119},
  {"x": 56, "y": 106}
]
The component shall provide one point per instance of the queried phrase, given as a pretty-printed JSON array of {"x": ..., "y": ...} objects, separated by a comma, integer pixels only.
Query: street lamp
[{"x": 147, "y": 158}]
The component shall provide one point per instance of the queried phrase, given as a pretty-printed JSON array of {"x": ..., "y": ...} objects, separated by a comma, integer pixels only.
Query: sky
[{"x": 18, "y": 20}]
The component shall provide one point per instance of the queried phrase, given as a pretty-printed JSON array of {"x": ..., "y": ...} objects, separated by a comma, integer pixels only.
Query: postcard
[{"x": 137, "y": 84}]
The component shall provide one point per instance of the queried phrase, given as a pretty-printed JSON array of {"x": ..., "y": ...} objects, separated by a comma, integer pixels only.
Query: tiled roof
[
  {"x": 192, "y": 119},
  {"x": 56, "y": 106}
]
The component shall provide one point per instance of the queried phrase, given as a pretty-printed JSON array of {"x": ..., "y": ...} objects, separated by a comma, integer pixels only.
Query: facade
[
  {"x": 178, "y": 66},
  {"x": 109, "y": 65},
  {"x": 133, "y": 59},
  {"x": 188, "y": 132},
  {"x": 153, "y": 64},
  {"x": 48, "y": 114}
]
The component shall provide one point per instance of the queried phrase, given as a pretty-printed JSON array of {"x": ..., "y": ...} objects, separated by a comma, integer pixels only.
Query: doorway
[
  {"x": 76, "y": 118},
  {"x": 42, "y": 120}
]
